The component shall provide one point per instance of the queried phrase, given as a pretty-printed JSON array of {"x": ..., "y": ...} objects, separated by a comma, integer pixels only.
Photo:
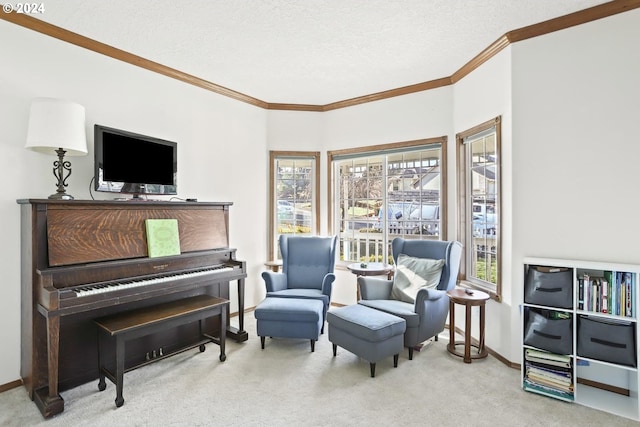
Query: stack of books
[{"x": 548, "y": 373}]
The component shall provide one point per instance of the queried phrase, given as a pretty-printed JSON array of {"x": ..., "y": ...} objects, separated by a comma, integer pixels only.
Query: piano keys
[
  {"x": 107, "y": 287},
  {"x": 86, "y": 259},
  {"x": 100, "y": 292}
]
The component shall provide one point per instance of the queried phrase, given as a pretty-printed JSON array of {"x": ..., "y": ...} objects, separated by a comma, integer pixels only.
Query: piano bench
[{"x": 129, "y": 325}]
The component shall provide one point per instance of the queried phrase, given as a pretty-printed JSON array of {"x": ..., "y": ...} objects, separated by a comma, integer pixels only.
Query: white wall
[
  {"x": 211, "y": 132},
  {"x": 576, "y": 109}
]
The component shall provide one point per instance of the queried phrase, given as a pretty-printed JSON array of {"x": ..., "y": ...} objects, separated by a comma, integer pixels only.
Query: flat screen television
[{"x": 130, "y": 163}]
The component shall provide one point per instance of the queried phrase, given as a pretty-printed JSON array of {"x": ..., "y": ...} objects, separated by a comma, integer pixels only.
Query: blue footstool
[
  {"x": 367, "y": 333},
  {"x": 289, "y": 318}
]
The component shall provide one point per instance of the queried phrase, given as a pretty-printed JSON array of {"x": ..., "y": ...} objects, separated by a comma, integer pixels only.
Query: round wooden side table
[
  {"x": 370, "y": 269},
  {"x": 471, "y": 299},
  {"x": 274, "y": 265}
]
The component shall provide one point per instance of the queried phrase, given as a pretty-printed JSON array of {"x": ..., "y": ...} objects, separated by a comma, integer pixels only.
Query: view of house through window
[
  {"x": 479, "y": 174},
  {"x": 294, "y": 196},
  {"x": 380, "y": 194}
]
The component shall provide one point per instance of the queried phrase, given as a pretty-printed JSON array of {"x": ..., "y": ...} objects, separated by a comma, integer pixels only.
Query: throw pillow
[{"x": 413, "y": 274}]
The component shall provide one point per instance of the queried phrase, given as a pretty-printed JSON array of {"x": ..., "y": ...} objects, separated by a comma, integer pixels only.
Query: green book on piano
[{"x": 162, "y": 237}]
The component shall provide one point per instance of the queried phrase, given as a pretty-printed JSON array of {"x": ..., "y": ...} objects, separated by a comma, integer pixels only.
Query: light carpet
[{"x": 285, "y": 384}]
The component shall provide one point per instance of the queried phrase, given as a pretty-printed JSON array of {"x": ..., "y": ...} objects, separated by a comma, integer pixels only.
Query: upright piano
[{"x": 87, "y": 259}]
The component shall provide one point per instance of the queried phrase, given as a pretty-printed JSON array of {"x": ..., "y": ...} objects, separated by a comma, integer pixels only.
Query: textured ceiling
[{"x": 306, "y": 51}]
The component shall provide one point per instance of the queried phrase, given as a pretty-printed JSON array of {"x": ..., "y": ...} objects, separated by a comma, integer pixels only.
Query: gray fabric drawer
[
  {"x": 607, "y": 340},
  {"x": 548, "y": 286},
  {"x": 545, "y": 332}
]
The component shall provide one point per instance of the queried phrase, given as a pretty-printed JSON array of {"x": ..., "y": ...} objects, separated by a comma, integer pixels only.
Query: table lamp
[{"x": 56, "y": 127}]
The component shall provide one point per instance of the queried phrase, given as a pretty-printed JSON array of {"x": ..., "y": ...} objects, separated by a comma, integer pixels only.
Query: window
[
  {"x": 382, "y": 192},
  {"x": 294, "y": 192},
  {"x": 479, "y": 210}
]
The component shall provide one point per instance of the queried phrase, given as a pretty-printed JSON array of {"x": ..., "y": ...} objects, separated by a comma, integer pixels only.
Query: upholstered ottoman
[
  {"x": 289, "y": 318},
  {"x": 367, "y": 333}
]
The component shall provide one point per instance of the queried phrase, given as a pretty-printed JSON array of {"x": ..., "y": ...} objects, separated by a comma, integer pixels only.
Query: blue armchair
[
  {"x": 425, "y": 318},
  {"x": 307, "y": 270}
]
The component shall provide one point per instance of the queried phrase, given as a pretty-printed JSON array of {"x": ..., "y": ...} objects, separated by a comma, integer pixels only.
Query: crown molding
[
  {"x": 121, "y": 55},
  {"x": 577, "y": 18},
  {"x": 573, "y": 19},
  {"x": 405, "y": 90},
  {"x": 295, "y": 107}
]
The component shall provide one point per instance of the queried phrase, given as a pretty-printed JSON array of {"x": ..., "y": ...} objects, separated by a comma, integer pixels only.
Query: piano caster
[
  {"x": 202, "y": 348},
  {"x": 102, "y": 384},
  {"x": 223, "y": 357},
  {"x": 119, "y": 401}
]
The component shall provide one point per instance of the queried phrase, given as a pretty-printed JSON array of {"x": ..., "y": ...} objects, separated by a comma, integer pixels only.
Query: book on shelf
[
  {"x": 581, "y": 294},
  {"x": 560, "y": 378},
  {"x": 628, "y": 280},
  {"x": 587, "y": 291},
  {"x": 604, "y": 292},
  {"x": 541, "y": 388},
  {"x": 614, "y": 295},
  {"x": 550, "y": 382},
  {"x": 609, "y": 277},
  {"x": 595, "y": 294},
  {"x": 548, "y": 358},
  {"x": 568, "y": 388},
  {"x": 559, "y": 370},
  {"x": 619, "y": 296},
  {"x": 162, "y": 237}
]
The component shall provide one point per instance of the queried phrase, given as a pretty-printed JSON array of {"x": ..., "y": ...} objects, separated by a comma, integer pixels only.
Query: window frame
[
  {"x": 465, "y": 216},
  {"x": 373, "y": 150},
  {"x": 272, "y": 253}
]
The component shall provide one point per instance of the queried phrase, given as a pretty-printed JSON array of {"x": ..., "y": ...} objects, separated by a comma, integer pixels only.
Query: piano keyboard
[{"x": 109, "y": 287}]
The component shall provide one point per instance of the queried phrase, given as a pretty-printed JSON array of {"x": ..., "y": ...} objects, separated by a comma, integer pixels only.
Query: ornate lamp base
[{"x": 61, "y": 166}]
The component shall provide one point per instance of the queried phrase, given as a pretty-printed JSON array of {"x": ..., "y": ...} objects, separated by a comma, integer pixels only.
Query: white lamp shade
[{"x": 56, "y": 123}]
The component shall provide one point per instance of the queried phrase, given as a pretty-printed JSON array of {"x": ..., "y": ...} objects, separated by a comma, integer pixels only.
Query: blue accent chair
[
  {"x": 427, "y": 316},
  {"x": 307, "y": 270}
]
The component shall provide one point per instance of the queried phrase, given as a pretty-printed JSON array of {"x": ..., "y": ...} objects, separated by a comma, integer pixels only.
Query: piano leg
[
  {"x": 120, "y": 343},
  {"x": 102, "y": 384},
  {"x": 239, "y": 334},
  {"x": 223, "y": 326},
  {"x": 48, "y": 400}
]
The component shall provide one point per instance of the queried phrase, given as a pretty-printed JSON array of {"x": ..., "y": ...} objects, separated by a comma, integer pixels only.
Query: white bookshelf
[{"x": 599, "y": 384}]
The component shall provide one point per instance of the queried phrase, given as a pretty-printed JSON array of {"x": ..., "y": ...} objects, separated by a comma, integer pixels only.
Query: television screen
[{"x": 126, "y": 162}]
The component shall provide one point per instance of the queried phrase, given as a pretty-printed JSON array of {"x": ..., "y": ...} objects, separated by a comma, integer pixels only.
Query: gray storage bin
[
  {"x": 549, "y": 286},
  {"x": 607, "y": 340},
  {"x": 547, "y": 333}
]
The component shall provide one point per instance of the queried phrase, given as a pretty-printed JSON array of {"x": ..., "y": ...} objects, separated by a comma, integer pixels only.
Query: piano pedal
[
  {"x": 160, "y": 353},
  {"x": 147, "y": 357},
  {"x": 153, "y": 355}
]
